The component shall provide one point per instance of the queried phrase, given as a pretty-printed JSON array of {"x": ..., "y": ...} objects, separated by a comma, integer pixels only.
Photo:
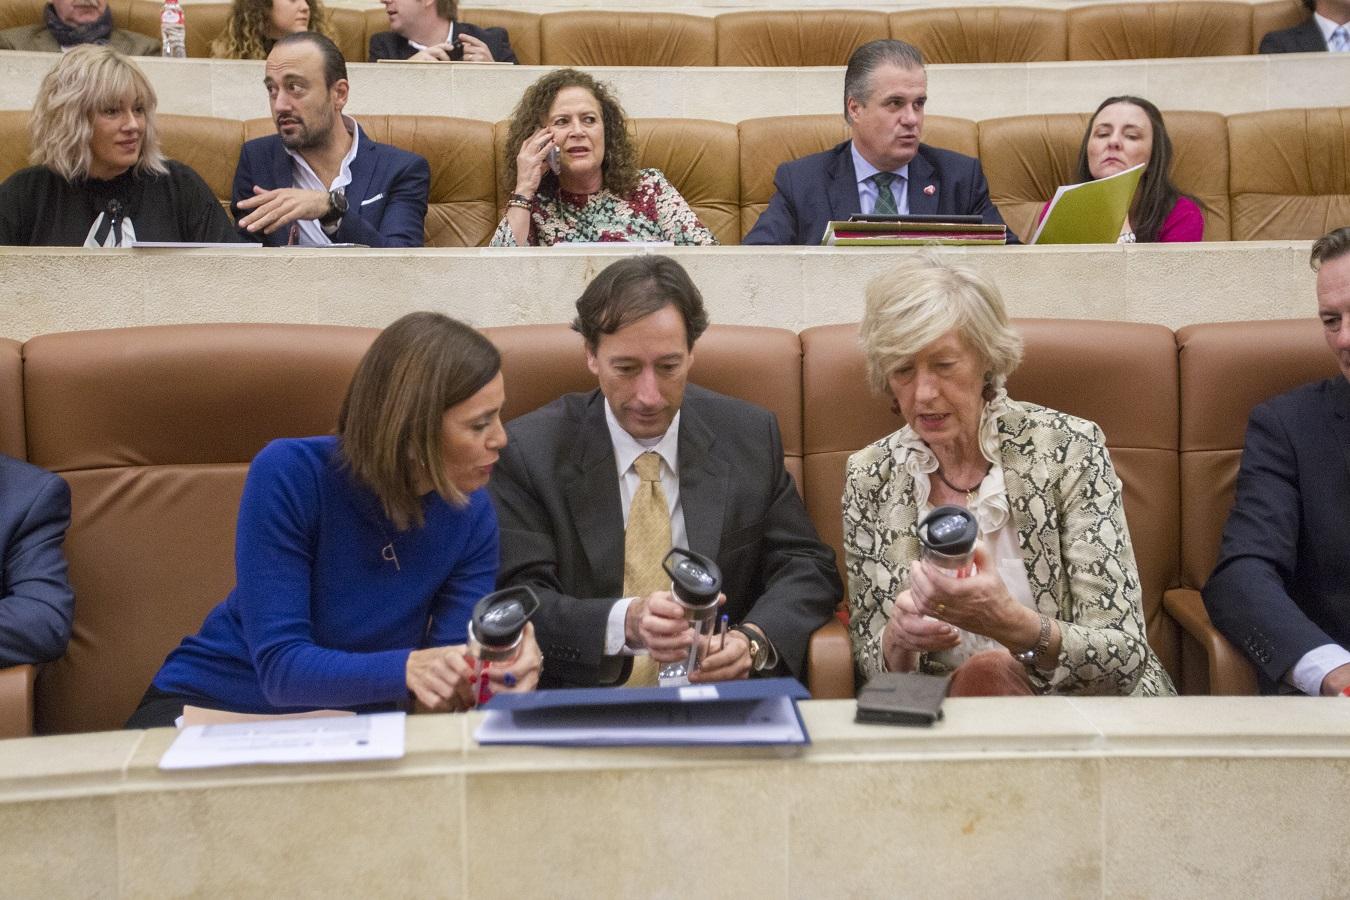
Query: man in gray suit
[
  {"x": 69, "y": 23},
  {"x": 36, "y": 603},
  {"x": 566, "y": 484}
]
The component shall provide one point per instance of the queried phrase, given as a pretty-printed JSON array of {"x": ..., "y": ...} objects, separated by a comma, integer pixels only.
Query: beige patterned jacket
[{"x": 1065, "y": 499}]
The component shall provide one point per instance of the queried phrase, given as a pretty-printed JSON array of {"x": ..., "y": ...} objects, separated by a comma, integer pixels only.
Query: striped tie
[
  {"x": 885, "y": 197},
  {"x": 1339, "y": 42},
  {"x": 646, "y": 541}
]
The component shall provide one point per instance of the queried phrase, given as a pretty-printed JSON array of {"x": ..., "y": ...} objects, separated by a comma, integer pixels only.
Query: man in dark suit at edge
[
  {"x": 583, "y": 478},
  {"x": 320, "y": 180},
  {"x": 884, "y": 168},
  {"x": 1327, "y": 28},
  {"x": 1281, "y": 589}
]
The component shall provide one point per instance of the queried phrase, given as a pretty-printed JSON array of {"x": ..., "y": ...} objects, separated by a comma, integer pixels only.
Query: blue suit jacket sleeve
[
  {"x": 36, "y": 602},
  {"x": 244, "y": 180},
  {"x": 1248, "y": 596}
]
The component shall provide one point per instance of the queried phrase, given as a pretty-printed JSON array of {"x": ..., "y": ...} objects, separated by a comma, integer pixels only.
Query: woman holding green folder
[{"x": 1124, "y": 132}]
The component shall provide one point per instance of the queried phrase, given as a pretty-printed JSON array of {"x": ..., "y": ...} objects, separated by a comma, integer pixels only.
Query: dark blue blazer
[
  {"x": 1282, "y": 584},
  {"x": 388, "y": 45},
  {"x": 1303, "y": 38},
  {"x": 816, "y": 189},
  {"x": 386, "y": 201},
  {"x": 36, "y": 602}
]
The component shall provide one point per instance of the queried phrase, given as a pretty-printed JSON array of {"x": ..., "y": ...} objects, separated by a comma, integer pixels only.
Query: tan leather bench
[
  {"x": 1290, "y": 180},
  {"x": 1133, "y": 30}
]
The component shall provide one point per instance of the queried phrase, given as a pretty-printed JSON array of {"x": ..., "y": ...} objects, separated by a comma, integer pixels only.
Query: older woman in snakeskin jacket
[{"x": 1054, "y": 604}]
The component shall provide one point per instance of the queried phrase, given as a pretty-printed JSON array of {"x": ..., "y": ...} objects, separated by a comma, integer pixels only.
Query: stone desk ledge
[
  {"x": 1063, "y": 797},
  {"x": 48, "y": 290},
  {"x": 232, "y": 89}
]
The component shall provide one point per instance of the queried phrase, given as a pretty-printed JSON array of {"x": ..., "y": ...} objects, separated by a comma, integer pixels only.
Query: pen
[{"x": 722, "y": 633}]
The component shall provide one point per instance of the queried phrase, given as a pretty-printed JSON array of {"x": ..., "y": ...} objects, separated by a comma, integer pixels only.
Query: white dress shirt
[
  {"x": 626, "y": 450},
  {"x": 1328, "y": 28},
  {"x": 303, "y": 177}
]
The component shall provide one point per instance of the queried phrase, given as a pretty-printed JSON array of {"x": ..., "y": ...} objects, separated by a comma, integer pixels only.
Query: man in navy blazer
[
  {"x": 885, "y": 91},
  {"x": 319, "y": 180},
  {"x": 1281, "y": 589},
  {"x": 36, "y": 602},
  {"x": 1314, "y": 33}
]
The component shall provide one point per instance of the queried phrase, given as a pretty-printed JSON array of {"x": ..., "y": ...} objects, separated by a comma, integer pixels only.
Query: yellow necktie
[{"x": 646, "y": 542}]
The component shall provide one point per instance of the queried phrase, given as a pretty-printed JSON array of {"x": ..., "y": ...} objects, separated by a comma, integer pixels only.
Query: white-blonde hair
[
  {"x": 919, "y": 301},
  {"x": 85, "y": 80}
]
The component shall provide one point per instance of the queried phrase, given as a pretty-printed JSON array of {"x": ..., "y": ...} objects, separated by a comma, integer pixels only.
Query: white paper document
[{"x": 376, "y": 736}]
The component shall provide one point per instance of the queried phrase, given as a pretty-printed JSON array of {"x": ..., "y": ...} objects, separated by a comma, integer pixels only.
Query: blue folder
[{"x": 760, "y": 711}]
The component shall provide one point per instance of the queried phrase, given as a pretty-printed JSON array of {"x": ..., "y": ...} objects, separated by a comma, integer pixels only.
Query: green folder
[{"x": 1089, "y": 213}]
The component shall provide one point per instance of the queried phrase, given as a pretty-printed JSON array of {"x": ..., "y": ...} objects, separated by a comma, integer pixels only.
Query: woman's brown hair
[
  {"x": 245, "y": 34},
  {"x": 390, "y": 426},
  {"x": 619, "y": 166}
]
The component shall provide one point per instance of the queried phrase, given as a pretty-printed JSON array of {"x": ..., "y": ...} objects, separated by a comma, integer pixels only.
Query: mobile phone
[
  {"x": 457, "y": 50},
  {"x": 555, "y": 159}
]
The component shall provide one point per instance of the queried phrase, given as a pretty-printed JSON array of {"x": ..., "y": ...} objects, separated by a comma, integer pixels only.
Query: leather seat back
[
  {"x": 768, "y": 143},
  {"x": 1290, "y": 173},
  {"x": 521, "y": 27},
  {"x": 154, "y": 428},
  {"x": 12, "y": 430},
  {"x": 1151, "y": 30},
  {"x": 795, "y": 37},
  {"x": 1026, "y": 158},
  {"x": 611, "y": 38},
  {"x": 1120, "y": 375},
  {"x": 984, "y": 34},
  {"x": 1226, "y": 369}
]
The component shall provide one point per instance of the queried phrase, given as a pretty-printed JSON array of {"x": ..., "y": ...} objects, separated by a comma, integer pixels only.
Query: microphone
[{"x": 115, "y": 213}]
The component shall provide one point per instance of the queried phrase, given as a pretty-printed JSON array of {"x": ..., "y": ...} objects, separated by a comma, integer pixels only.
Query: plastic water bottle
[{"x": 173, "y": 30}]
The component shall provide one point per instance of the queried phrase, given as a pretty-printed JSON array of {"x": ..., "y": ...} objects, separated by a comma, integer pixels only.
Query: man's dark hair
[
  {"x": 633, "y": 288},
  {"x": 334, "y": 64},
  {"x": 870, "y": 57},
  {"x": 1332, "y": 245}
]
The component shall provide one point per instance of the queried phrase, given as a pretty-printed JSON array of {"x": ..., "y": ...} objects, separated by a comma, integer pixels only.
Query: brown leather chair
[
  {"x": 522, "y": 27},
  {"x": 1225, "y": 370},
  {"x": 768, "y": 143},
  {"x": 795, "y": 37},
  {"x": 153, "y": 428},
  {"x": 461, "y": 209},
  {"x": 696, "y": 155},
  {"x": 1275, "y": 15},
  {"x": 1121, "y": 375},
  {"x": 984, "y": 34},
  {"x": 613, "y": 38},
  {"x": 13, "y": 142},
  {"x": 760, "y": 365},
  {"x": 1150, "y": 30},
  {"x": 1026, "y": 158},
  {"x": 1289, "y": 180},
  {"x": 210, "y": 146}
]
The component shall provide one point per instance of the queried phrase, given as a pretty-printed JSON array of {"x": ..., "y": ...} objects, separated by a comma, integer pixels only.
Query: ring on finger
[{"x": 941, "y": 609}]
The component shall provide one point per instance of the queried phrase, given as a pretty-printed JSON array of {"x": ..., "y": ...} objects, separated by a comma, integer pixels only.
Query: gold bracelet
[{"x": 518, "y": 203}]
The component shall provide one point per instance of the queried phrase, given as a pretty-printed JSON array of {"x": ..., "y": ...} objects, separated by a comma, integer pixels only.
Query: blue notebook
[{"x": 759, "y": 711}]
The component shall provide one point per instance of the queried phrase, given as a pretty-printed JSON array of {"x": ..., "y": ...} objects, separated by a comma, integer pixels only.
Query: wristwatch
[
  {"x": 1028, "y": 657},
  {"x": 762, "y": 654},
  {"x": 337, "y": 208}
]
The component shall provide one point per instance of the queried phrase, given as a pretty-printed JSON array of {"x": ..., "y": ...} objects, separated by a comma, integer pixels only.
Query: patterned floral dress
[
  {"x": 1065, "y": 499},
  {"x": 653, "y": 211}
]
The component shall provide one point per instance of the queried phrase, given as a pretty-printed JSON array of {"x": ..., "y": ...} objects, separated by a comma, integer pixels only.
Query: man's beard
[{"x": 304, "y": 137}]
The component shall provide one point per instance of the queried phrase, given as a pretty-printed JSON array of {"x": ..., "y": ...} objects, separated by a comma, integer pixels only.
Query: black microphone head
[{"x": 114, "y": 208}]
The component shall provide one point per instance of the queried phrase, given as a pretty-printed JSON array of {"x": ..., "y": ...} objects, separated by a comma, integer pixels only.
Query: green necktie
[{"x": 885, "y": 199}]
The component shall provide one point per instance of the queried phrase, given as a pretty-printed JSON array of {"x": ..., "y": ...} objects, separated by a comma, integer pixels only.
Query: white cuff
[
  {"x": 1307, "y": 674},
  {"x": 615, "y": 633}
]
